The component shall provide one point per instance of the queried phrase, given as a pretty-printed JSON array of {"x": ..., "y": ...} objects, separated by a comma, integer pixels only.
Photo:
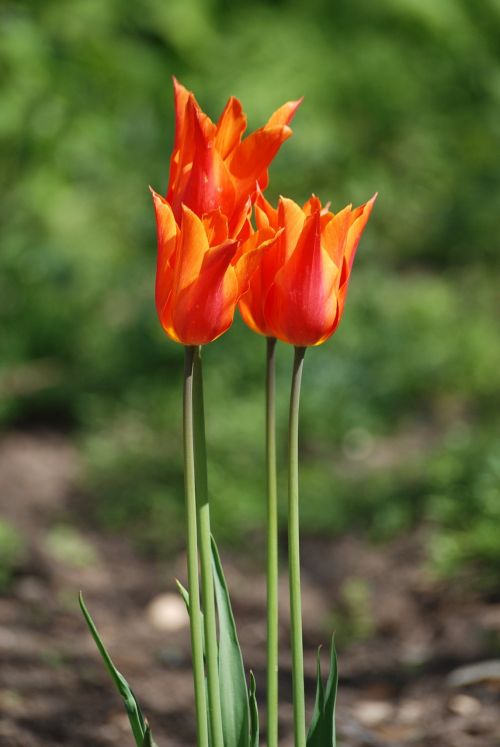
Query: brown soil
[{"x": 404, "y": 639}]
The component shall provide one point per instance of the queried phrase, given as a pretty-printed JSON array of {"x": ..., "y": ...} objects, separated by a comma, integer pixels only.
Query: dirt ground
[{"x": 417, "y": 658}]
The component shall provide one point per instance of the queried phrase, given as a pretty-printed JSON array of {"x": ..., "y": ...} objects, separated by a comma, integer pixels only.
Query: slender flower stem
[
  {"x": 272, "y": 548},
  {"x": 294, "y": 554},
  {"x": 207, "y": 583},
  {"x": 192, "y": 554}
]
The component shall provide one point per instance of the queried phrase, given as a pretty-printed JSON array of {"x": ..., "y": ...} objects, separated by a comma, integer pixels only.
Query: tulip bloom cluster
[
  {"x": 205, "y": 254},
  {"x": 222, "y": 245},
  {"x": 290, "y": 276}
]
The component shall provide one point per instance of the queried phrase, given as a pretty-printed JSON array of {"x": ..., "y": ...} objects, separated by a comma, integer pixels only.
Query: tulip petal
[
  {"x": 312, "y": 205},
  {"x": 250, "y": 159},
  {"x": 251, "y": 252},
  {"x": 209, "y": 185},
  {"x": 186, "y": 107},
  {"x": 166, "y": 231},
  {"x": 335, "y": 235},
  {"x": 192, "y": 247},
  {"x": 359, "y": 219},
  {"x": 284, "y": 114},
  {"x": 265, "y": 214},
  {"x": 216, "y": 228},
  {"x": 205, "y": 309},
  {"x": 293, "y": 218},
  {"x": 251, "y": 303},
  {"x": 230, "y": 127},
  {"x": 240, "y": 220},
  {"x": 301, "y": 305}
]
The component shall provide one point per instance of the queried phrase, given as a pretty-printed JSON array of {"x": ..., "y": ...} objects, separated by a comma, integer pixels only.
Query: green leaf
[
  {"x": 233, "y": 687},
  {"x": 134, "y": 713},
  {"x": 322, "y": 730},
  {"x": 254, "y": 713},
  {"x": 319, "y": 702},
  {"x": 185, "y": 595},
  {"x": 148, "y": 738},
  {"x": 331, "y": 695}
]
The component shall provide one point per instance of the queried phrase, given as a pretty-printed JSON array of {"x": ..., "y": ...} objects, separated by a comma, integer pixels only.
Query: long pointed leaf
[
  {"x": 233, "y": 687},
  {"x": 254, "y": 713},
  {"x": 132, "y": 708},
  {"x": 185, "y": 595},
  {"x": 148, "y": 738},
  {"x": 319, "y": 703},
  {"x": 322, "y": 730},
  {"x": 331, "y": 696}
]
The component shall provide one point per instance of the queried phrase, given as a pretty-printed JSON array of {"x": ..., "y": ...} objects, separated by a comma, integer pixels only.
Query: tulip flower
[
  {"x": 211, "y": 167},
  {"x": 201, "y": 272},
  {"x": 298, "y": 292}
]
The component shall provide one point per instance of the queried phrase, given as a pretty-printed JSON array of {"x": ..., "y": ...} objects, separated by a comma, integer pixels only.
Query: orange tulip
[
  {"x": 298, "y": 291},
  {"x": 201, "y": 272},
  {"x": 211, "y": 167}
]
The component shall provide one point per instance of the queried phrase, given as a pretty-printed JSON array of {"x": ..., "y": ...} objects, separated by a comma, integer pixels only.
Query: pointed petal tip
[
  {"x": 368, "y": 205},
  {"x": 188, "y": 214},
  {"x": 158, "y": 198},
  {"x": 177, "y": 84},
  {"x": 186, "y": 210},
  {"x": 154, "y": 194},
  {"x": 284, "y": 199},
  {"x": 293, "y": 106}
]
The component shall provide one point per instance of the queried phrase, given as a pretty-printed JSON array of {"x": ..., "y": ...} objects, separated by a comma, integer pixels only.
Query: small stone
[
  {"x": 373, "y": 712},
  {"x": 167, "y": 612},
  {"x": 464, "y": 705},
  {"x": 410, "y": 712}
]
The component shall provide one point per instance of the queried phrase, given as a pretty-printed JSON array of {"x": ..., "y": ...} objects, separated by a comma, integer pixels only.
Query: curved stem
[
  {"x": 272, "y": 548},
  {"x": 294, "y": 554},
  {"x": 192, "y": 554},
  {"x": 207, "y": 583}
]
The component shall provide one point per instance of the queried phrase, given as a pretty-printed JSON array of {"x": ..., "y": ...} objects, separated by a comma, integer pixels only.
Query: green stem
[
  {"x": 299, "y": 720},
  {"x": 272, "y": 548},
  {"x": 207, "y": 583},
  {"x": 192, "y": 554}
]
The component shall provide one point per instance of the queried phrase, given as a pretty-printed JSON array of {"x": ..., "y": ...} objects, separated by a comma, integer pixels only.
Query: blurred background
[{"x": 400, "y": 475}]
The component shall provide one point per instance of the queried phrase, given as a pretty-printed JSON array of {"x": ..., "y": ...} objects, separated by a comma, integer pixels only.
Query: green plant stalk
[
  {"x": 272, "y": 547},
  {"x": 207, "y": 582},
  {"x": 299, "y": 721},
  {"x": 192, "y": 553}
]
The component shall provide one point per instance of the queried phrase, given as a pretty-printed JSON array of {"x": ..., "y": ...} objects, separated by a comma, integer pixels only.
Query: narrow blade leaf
[
  {"x": 132, "y": 708},
  {"x": 185, "y": 595},
  {"x": 331, "y": 696},
  {"x": 233, "y": 687},
  {"x": 322, "y": 730},
  {"x": 319, "y": 702},
  {"x": 254, "y": 713},
  {"x": 148, "y": 738}
]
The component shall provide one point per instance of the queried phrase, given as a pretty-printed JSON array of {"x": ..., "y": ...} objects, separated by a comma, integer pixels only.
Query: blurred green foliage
[{"x": 400, "y": 409}]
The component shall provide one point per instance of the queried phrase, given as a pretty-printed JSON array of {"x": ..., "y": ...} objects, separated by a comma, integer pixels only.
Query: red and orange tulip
[
  {"x": 298, "y": 292},
  {"x": 201, "y": 272},
  {"x": 212, "y": 167}
]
